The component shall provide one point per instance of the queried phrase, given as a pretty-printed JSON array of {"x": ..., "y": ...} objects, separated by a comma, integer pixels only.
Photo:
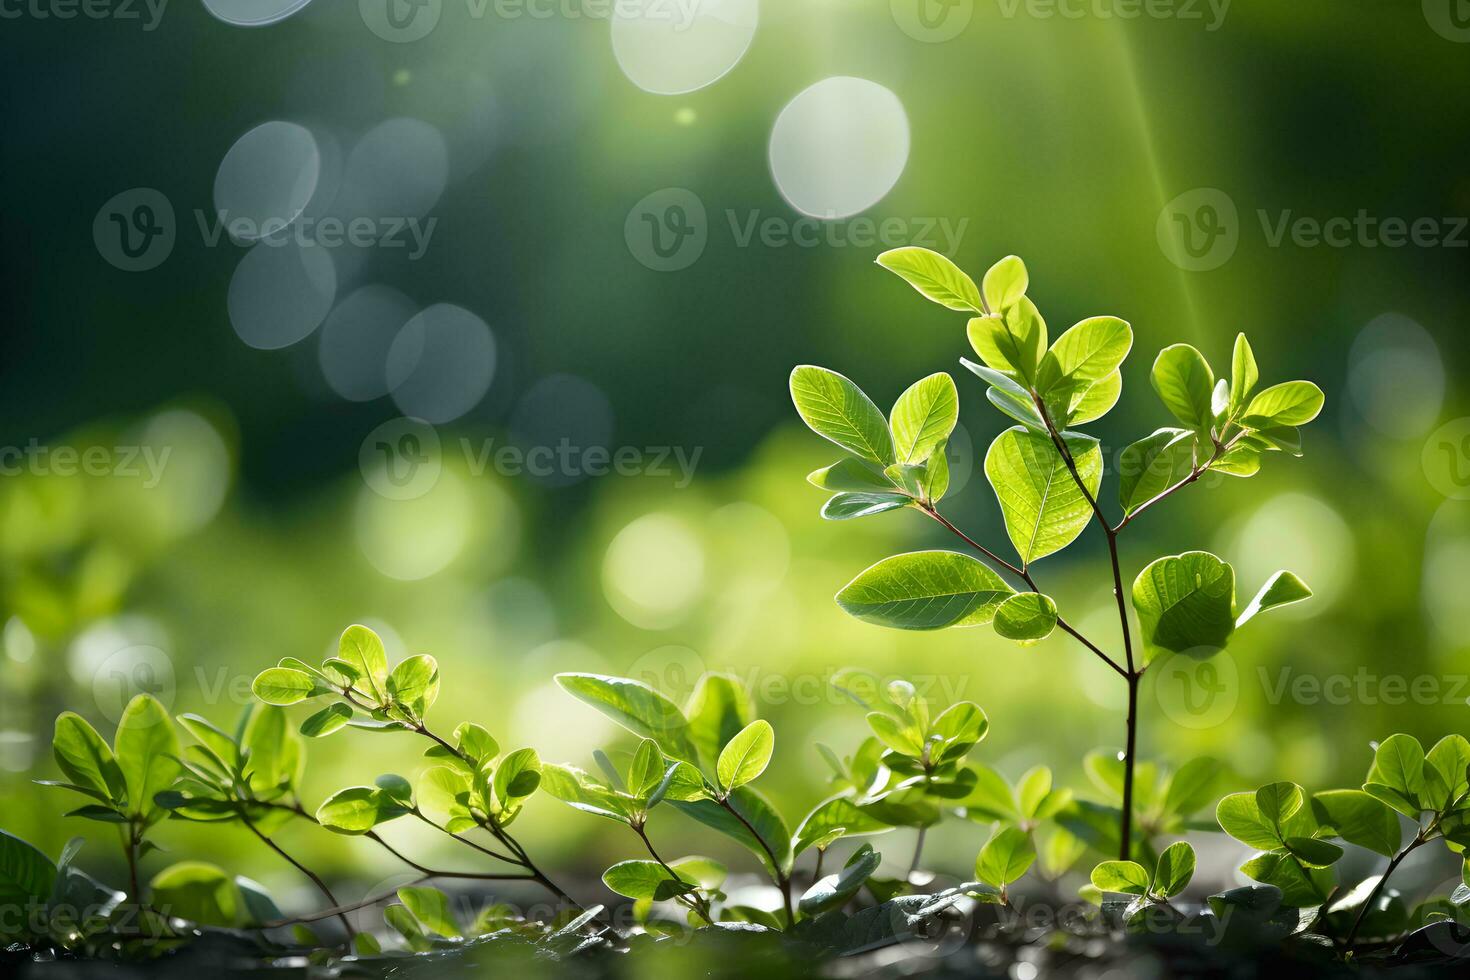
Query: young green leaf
[
  {"x": 834, "y": 891},
  {"x": 327, "y": 720},
  {"x": 925, "y": 590},
  {"x": 1026, "y": 616},
  {"x": 958, "y": 728},
  {"x": 85, "y": 758},
  {"x": 27, "y": 878},
  {"x": 771, "y": 833},
  {"x": 1450, "y": 759},
  {"x": 746, "y": 755},
  {"x": 1044, "y": 509},
  {"x": 1399, "y": 764},
  {"x": 1174, "y": 870},
  {"x": 1085, "y": 353},
  {"x": 414, "y": 683},
  {"x": 837, "y": 410},
  {"x": 1288, "y": 404},
  {"x": 838, "y": 816},
  {"x": 1240, "y": 816},
  {"x": 1185, "y": 384},
  {"x": 199, "y": 892},
  {"x": 1011, "y": 341},
  {"x": 1005, "y": 283},
  {"x": 923, "y": 417},
  {"x": 517, "y": 777},
  {"x": 646, "y": 770},
  {"x": 990, "y": 798},
  {"x": 1005, "y": 857},
  {"x": 1281, "y": 589},
  {"x": 638, "y": 708},
  {"x": 1243, "y": 373},
  {"x": 900, "y": 736},
  {"x": 1121, "y": 877},
  {"x": 362, "y": 650},
  {"x": 1192, "y": 787},
  {"x": 1313, "y": 853},
  {"x": 575, "y": 788},
  {"x": 934, "y": 276},
  {"x": 1185, "y": 604},
  {"x": 431, "y": 907},
  {"x": 1359, "y": 819},
  {"x": 850, "y": 506},
  {"x": 358, "y": 809},
  {"x": 645, "y": 880},
  {"x": 1094, "y": 401},
  {"x": 1153, "y": 464},
  {"x": 282, "y": 686},
  {"x": 147, "y": 750},
  {"x": 851, "y": 475},
  {"x": 403, "y": 922}
]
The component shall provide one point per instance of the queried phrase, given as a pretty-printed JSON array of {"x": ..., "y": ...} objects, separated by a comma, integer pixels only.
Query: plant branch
[
  {"x": 782, "y": 880},
  {"x": 697, "y": 904},
  {"x": 1393, "y": 864},
  {"x": 918, "y": 852},
  {"x": 315, "y": 880}
]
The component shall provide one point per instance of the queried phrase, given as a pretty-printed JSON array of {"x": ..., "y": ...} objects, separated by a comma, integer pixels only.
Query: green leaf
[
  {"x": 1399, "y": 765},
  {"x": 758, "y": 812},
  {"x": 1026, "y": 616},
  {"x": 638, "y": 708},
  {"x": 1005, "y": 857},
  {"x": 476, "y": 742},
  {"x": 1011, "y": 341},
  {"x": 645, "y": 880},
  {"x": 850, "y": 506},
  {"x": 836, "y": 815},
  {"x": 147, "y": 753},
  {"x": 85, "y": 758},
  {"x": 1359, "y": 819},
  {"x": 1096, "y": 400},
  {"x": 365, "y": 944},
  {"x": 517, "y": 777},
  {"x": 362, "y": 650},
  {"x": 718, "y": 708},
  {"x": 403, "y": 922},
  {"x": 746, "y": 755},
  {"x": 923, "y": 417},
  {"x": 646, "y": 770},
  {"x": 27, "y": 878},
  {"x": 834, "y": 891},
  {"x": 431, "y": 907},
  {"x": 837, "y": 410},
  {"x": 902, "y": 737},
  {"x": 1243, "y": 373},
  {"x": 1043, "y": 507},
  {"x": 1279, "y": 802},
  {"x": 1175, "y": 869},
  {"x": 1281, "y": 589},
  {"x": 1240, "y": 816},
  {"x": 272, "y": 750},
  {"x": 198, "y": 892},
  {"x": 220, "y": 746},
  {"x": 1450, "y": 758},
  {"x": 358, "y": 809},
  {"x": 1287, "y": 404},
  {"x": 934, "y": 482},
  {"x": 958, "y": 728},
  {"x": 1086, "y": 353},
  {"x": 990, "y": 798},
  {"x": 327, "y": 720},
  {"x": 1185, "y": 604},
  {"x": 1313, "y": 853},
  {"x": 934, "y": 276},
  {"x": 575, "y": 788},
  {"x": 415, "y": 684},
  {"x": 1193, "y": 786},
  {"x": 1185, "y": 383},
  {"x": 282, "y": 686},
  {"x": 1152, "y": 465},
  {"x": 925, "y": 590},
  {"x": 1005, "y": 283},
  {"x": 708, "y": 873},
  {"x": 1121, "y": 877},
  {"x": 851, "y": 475}
]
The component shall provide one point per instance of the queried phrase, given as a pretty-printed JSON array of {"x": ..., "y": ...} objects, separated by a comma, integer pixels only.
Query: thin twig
[{"x": 783, "y": 882}]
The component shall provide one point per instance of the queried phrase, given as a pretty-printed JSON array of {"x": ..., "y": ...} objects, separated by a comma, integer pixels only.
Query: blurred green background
[{"x": 1057, "y": 138}]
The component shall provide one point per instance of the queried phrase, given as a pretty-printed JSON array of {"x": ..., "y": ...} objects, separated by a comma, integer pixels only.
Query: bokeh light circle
[
  {"x": 266, "y": 180},
  {"x": 672, "y": 48},
  {"x": 253, "y": 13},
  {"x": 1396, "y": 376},
  {"x": 839, "y": 147},
  {"x": 1302, "y": 533},
  {"x": 280, "y": 293},
  {"x": 356, "y": 339},
  {"x": 441, "y": 363},
  {"x": 653, "y": 571}
]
